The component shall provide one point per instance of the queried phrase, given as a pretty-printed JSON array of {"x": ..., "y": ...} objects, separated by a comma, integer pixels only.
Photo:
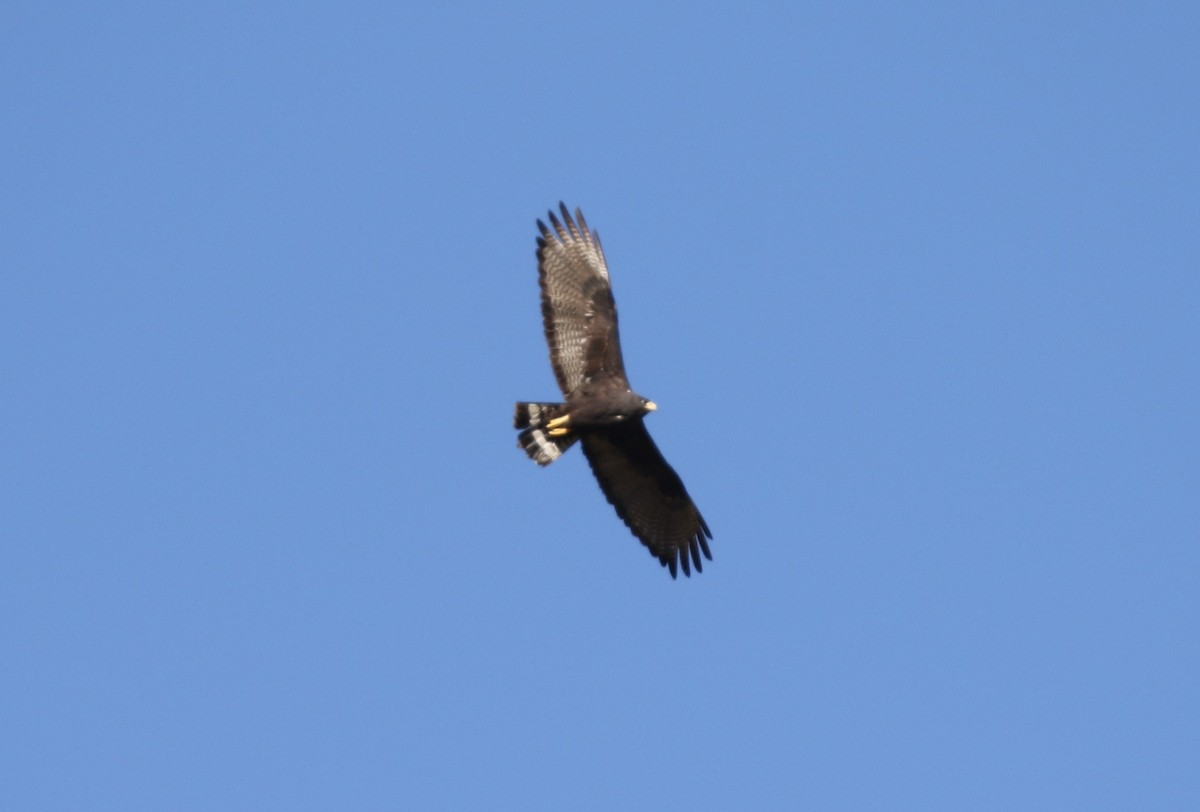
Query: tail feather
[
  {"x": 536, "y": 415},
  {"x": 540, "y": 446}
]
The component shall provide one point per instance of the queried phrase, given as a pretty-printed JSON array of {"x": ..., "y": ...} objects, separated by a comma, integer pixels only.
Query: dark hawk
[{"x": 601, "y": 410}]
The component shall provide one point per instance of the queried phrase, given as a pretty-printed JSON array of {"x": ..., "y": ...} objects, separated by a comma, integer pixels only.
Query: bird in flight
[{"x": 601, "y": 410}]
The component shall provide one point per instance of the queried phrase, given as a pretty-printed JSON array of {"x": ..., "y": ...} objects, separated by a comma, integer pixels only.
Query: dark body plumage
[{"x": 601, "y": 410}]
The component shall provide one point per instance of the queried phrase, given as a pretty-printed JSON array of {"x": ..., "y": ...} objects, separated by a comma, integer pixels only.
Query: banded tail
[{"x": 540, "y": 446}]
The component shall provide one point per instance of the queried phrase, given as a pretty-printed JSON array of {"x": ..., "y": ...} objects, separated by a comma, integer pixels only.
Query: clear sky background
[{"x": 917, "y": 291}]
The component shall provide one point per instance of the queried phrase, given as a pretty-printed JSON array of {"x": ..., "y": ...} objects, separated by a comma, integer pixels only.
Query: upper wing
[
  {"x": 648, "y": 494},
  {"x": 577, "y": 304}
]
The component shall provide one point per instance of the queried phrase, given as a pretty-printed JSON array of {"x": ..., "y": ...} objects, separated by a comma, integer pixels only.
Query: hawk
[{"x": 601, "y": 411}]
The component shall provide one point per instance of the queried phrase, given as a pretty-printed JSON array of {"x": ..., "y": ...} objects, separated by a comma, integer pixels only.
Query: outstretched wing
[
  {"x": 648, "y": 494},
  {"x": 578, "y": 311}
]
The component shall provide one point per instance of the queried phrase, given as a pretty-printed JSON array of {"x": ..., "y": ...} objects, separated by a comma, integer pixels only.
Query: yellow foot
[
  {"x": 557, "y": 432},
  {"x": 557, "y": 422}
]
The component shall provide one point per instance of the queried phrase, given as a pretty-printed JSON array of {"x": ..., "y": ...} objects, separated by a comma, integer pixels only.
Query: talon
[
  {"x": 559, "y": 421},
  {"x": 559, "y": 432}
]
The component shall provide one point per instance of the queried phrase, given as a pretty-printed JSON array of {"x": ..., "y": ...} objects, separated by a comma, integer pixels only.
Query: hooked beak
[{"x": 651, "y": 406}]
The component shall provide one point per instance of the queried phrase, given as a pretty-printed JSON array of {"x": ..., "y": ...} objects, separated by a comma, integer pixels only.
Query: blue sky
[{"x": 917, "y": 292}]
